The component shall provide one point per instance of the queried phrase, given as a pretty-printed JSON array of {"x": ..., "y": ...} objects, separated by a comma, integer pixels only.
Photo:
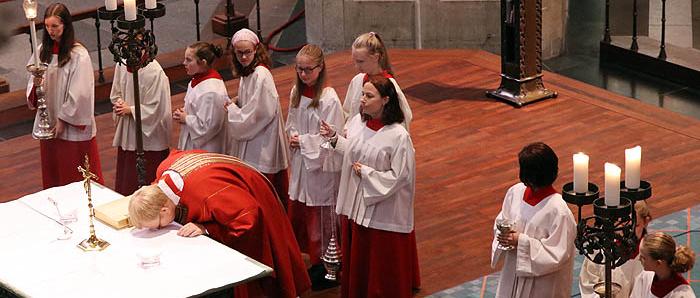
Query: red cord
[{"x": 279, "y": 29}]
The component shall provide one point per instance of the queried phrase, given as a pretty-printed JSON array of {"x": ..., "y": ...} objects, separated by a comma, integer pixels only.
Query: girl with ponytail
[{"x": 664, "y": 263}]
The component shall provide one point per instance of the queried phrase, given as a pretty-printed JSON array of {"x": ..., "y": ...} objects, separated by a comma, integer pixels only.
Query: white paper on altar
[{"x": 35, "y": 264}]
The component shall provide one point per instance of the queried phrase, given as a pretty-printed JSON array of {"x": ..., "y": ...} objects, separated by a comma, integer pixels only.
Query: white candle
[
  {"x": 130, "y": 10},
  {"x": 633, "y": 161},
  {"x": 612, "y": 184},
  {"x": 150, "y": 4},
  {"x": 111, "y": 4},
  {"x": 580, "y": 172},
  {"x": 34, "y": 44}
]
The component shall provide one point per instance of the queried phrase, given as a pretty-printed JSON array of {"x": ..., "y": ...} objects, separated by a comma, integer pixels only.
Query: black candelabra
[
  {"x": 135, "y": 47},
  {"x": 608, "y": 237}
]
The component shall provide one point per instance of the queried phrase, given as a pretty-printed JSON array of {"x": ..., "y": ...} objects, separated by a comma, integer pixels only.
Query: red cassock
[{"x": 238, "y": 207}]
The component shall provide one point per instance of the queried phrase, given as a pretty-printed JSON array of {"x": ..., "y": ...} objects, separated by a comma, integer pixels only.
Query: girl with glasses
[
  {"x": 69, "y": 88},
  {"x": 255, "y": 116},
  {"x": 312, "y": 188}
]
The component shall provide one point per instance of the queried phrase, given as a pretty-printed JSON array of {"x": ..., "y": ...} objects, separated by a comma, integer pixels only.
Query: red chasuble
[{"x": 239, "y": 208}]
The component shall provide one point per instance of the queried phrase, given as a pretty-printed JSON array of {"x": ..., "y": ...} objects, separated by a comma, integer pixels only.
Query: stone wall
[{"x": 334, "y": 24}]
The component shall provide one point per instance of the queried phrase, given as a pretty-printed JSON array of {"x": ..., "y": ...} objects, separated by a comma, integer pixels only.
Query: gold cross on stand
[{"x": 92, "y": 243}]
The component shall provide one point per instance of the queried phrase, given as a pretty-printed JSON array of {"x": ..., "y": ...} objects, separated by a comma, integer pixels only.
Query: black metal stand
[
  {"x": 104, "y": 14},
  {"x": 153, "y": 13},
  {"x": 135, "y": 46},
  {"x": 608, "y": 237}
]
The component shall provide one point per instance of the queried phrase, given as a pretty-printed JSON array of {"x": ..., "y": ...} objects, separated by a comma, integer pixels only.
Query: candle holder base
[
  {"x": 577, "y": 198},
  {"x": 602, "y": 210},
  {"x": 599, "y": 289},
  {"x": 136, "y": 24},
  {"x": 152, "y": 13},
  {"x": 93, "y": 244},
  {"x": 636, "y": 194},
  {"x": 109, "y": 15}
]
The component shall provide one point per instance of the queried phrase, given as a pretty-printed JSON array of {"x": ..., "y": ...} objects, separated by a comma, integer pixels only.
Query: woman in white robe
[
  {"x": 664, "y": 263},
  {"x": 371, "y": 58},
  {"x": 255, "y": 116},
  {"x": 624, "y": 275},
  {"x": 202, "y": 119},
  {"x": 376, "y": 195},
  {"x": 69, "y": 87},
  {"x": 312, "y": 189},
  {"x": 541, "y": 262},
  {"x": 156, "y": 122}
]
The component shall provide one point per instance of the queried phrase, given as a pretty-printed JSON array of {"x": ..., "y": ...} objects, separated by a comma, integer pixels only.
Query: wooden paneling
[{"x": 466, "y": 146}]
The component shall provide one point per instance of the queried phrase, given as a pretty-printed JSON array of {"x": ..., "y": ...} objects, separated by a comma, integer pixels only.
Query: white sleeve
[
  {"x": 352, "y": 96},
  {"x": 380, "y": 185},
  {"x": 310, "y": 144},
  {"x": 590, "y": 275},
  {"x": 536, "y": 257},
  {"x": 155, "y": 97},
  {"x": 78, "y": 105},
  {"x": 403, "y": 104},
  {"x": 248, "y": 121},
  {"x": 505, "y": 207},
  {"x": 208, "y": 120}
]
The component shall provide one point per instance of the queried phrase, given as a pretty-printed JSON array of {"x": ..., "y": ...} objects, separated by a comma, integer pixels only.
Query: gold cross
[{"x": 85, "y": 171}]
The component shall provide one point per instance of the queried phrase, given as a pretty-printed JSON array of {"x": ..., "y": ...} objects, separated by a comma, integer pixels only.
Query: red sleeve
[{"x": 233, "y": 213}]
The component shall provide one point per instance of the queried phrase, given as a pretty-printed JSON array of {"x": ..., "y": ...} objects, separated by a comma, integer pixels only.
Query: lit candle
[
  {"x": 150, "y": 4},
  {"x": 30, "y": 9},
  {"x": 612, "y": 184},
  {"x": 633, "y": 161},
  {"x": 130, "y": 10},
  {"x": 111, "y": 4},
  {"x": 580, "y": 172}
]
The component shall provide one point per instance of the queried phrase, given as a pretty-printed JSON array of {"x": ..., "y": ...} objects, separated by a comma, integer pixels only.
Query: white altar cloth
[{"x": 34, "y": 263}]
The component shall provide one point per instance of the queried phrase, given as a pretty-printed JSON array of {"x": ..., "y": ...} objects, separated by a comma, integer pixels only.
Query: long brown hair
[
  {"x": 67, "y": 42},
  {"x": 261, "y": 58},
  {"x": 314, "y": 53},
  {"x": 374, "y": 45}
]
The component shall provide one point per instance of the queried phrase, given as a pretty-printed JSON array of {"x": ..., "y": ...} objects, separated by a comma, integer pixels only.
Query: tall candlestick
[
  {"x": 580, "y": 172},
  {"x": 30, "y": 11},
  {"x": 612, "y": 184},
  {"x": 111, "y": 4},
  {"x": 633, "y": 161},
  {"x": 34, "y": 44},
  {"x": 130, "y": 10},
  {"x": 150, "y": 4}
]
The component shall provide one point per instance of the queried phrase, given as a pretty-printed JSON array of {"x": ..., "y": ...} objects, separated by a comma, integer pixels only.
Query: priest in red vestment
[{"x": 233, "y": 203}]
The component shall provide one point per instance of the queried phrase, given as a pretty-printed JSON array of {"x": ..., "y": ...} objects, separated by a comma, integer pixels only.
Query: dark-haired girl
[
  {"x": 202, "y": 119},
  {"x": 69, "y": 87}
]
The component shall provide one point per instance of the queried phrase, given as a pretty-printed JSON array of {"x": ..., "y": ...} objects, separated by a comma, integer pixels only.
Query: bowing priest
[
  {"x": 156, "y": 122},
  {"x": 231, "y": 202}
]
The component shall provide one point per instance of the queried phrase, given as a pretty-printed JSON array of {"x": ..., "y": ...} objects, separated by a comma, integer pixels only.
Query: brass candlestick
[{"x": 92, "y": 243}]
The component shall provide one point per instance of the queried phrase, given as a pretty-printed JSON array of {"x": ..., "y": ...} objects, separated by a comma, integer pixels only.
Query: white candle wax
[
  {"x": 35, "y": 46},
  {"x": 580, "y": 172},
  {"x": 150, "y": 4},
  {"x": 612, "y": 184},
  {"x": 111, "y": 4},
  {"x": 130, "y": 10},
  {"x": 633, "y": 161}
]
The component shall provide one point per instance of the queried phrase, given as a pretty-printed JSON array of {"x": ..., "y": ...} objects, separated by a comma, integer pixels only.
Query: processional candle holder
[
  {"x": 608, "y": 237},
  {"x": 135, "y": 47},
  {"x": 92, "y": 243},
  {"x": 43, "y": 130},
  {"x": 332, "y": 256}
]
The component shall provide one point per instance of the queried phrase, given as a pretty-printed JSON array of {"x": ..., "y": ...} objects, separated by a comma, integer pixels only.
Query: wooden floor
[{"x": 466, "y": 147}]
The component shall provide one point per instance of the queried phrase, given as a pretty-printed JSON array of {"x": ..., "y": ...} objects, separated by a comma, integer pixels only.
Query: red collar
[
  {"x": 54, "y": 48},
  {"x": 308, "y": 91},
  {"x": 661, "y": 288},
  {"x": 384, "y": 73},
  {"x": 200, "y": 77},
  {"x": 534, "y": 198},
  {"x": 374, "y": 124},
  {"x": 263, "y": 65}
]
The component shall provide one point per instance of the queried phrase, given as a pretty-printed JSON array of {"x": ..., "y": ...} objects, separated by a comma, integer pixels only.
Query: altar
[{"x": 35, "y": 263}]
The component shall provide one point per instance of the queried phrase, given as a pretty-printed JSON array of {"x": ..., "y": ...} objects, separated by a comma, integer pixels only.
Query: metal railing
[{"x": 635, "y": 13}]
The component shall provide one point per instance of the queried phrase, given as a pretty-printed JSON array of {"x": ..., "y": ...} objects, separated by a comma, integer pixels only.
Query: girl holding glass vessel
[{"x": 543, "y": 233}]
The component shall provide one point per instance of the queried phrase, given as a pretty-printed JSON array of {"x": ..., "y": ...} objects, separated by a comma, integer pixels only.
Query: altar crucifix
[
  {"x": 521, "y": 53},
  {"x": 92, "y": 243}
]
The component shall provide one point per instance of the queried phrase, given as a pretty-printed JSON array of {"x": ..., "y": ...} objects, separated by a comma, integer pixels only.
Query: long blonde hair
[
  {"x": 315, "y": 53},
  {"x": 661, "y": 246},
  {"x": 145, "y": 204},
  {"x": 374, "y": 45}
]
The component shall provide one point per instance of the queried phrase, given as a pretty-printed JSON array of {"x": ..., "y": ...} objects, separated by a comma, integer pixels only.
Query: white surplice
[
  {"x": 625, "y": 275},
  {"x": 156, "y": 116},
  {"x": 255, "y": 123},
  {"x": 382, "y": 196},
  {"x": 541, "y": 264},
  {"x": 642, "y": 288},
  {"x": 70, "y": 95},
  {"x": 351, "y": 105},
  {"x": 308, "y": 182},
  {"x": 204, "y": 126}
]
